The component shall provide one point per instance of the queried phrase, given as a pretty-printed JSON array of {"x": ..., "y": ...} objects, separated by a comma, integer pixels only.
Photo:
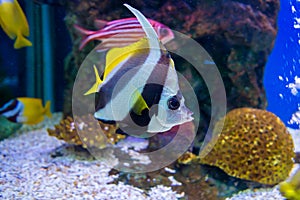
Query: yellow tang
[{"x": 14, "y": 23}]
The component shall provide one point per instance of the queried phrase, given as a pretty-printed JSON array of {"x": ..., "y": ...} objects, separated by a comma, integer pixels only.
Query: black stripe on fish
[
  {"x": 151, "y": 94},
  {"x": 12, "y": 110},
  {"x": 12, "y": 104},
  {"x": 14, "y": 117},
  {"x": 106, "y": 91},
  {"x": 155, "y": 83},
  {"x": 107, "y": 121},
  {"x": 152, "y": 91}
]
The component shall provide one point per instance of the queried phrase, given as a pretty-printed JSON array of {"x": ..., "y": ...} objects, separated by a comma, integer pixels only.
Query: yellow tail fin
[
  {"x": 21, "y": 41},
  {"x": 47, "y": 109},
  {"x": 94, "y": 88}
]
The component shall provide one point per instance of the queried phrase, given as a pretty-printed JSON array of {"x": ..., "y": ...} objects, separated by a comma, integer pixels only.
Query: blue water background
[{"x": 284, "y": 61}]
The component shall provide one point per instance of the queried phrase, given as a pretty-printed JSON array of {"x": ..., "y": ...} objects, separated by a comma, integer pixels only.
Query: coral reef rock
[
  {"x": 254, "y": 145},
  {"x": 89, "y": 136}
]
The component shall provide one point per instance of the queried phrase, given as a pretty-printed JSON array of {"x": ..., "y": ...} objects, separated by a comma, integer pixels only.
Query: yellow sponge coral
[{"x": 254, "y": 145}]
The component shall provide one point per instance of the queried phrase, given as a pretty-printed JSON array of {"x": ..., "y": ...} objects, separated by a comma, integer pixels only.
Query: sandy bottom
[{"x": 35, "y": 165}]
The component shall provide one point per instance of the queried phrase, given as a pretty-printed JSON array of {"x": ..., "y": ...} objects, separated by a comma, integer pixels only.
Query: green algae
[{"x": 8, "y": 128}]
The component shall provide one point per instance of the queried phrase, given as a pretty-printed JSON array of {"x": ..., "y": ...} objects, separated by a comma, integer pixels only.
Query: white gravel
[
  {"x": 28, "y": 171},
  {"x": 260, "y": 194}
]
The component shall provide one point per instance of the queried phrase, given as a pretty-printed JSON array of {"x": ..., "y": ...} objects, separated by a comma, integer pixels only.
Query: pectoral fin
[{"x": 139, "y": 103}]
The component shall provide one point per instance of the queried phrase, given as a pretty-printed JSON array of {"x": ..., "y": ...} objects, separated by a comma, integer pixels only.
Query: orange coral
[
  {"x": 89, "y": 136},
  {"x": 254, "y": 145}
]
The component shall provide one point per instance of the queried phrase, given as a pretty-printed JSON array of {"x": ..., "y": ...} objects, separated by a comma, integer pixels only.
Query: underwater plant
[
  {"x": 7, "y": 127},
  {"x": 254, "y": 145},
  {"x": 291, "y": 189},
  {"x": 90, "y": 137}
]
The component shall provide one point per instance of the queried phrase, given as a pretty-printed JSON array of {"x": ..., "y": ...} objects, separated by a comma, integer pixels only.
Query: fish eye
[{"x": 173, "y": 103}]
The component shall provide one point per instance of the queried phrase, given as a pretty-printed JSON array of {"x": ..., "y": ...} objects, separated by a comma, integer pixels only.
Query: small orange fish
[{"x": 25, "y": 110}]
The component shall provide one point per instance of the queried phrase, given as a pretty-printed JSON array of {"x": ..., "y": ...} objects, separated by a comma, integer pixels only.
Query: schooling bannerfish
[
  {"x": 25, "y": 110},
  {"x": 14, "y": 23},
  {"x": 136, "y": 78},
  {"x": 122, "y": 32}
]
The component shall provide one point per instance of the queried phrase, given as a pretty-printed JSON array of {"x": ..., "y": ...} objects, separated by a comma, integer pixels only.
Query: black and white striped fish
[{"x": 140, "y": 85}]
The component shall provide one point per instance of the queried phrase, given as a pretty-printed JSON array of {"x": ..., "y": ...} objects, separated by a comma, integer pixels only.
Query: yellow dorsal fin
[
  {"x": 98, "y": 82},
  {"x": 138, "y": 102},
  {"x": 116, "y": 55}
]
